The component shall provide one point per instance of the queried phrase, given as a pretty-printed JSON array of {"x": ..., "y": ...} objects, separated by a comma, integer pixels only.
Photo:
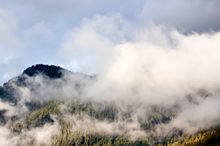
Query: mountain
[
  {"x": 50, "y": 71},
  {"x": 46, "y": 105},
  {"x": 26, "y": 79}
]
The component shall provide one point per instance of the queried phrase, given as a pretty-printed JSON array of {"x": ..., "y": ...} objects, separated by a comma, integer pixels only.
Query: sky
[{"x": 80, "y": 34}]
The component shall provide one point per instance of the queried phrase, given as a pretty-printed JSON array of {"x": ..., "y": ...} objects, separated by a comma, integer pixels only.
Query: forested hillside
[{"x": 36, "y": 110}]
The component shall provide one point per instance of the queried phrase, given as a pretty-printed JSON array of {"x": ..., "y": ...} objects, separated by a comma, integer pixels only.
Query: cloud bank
[
  {"x": 33, "y": 33},
  {"x": 154, "y": 65}
]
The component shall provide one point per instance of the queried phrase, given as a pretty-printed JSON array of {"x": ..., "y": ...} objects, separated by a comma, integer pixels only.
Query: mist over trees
[{"x": 49, "y": 101}]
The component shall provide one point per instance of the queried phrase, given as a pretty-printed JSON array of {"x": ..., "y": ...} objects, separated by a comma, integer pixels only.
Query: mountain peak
[{"x": 51, "y": 71}]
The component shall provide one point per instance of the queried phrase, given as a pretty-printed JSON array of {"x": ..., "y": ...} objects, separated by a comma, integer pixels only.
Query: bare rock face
[{"x": 49, "y": 70}]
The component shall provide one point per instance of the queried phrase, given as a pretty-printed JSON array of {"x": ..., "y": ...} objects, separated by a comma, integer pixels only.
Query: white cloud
[
  {"x": 151, "y": 65},
  {"x": 90, "y": 45},
  {"x": 32, "y": 30}
]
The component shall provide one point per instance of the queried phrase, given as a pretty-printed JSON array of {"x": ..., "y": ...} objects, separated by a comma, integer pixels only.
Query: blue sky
[{"x": 71, "y": 33}]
